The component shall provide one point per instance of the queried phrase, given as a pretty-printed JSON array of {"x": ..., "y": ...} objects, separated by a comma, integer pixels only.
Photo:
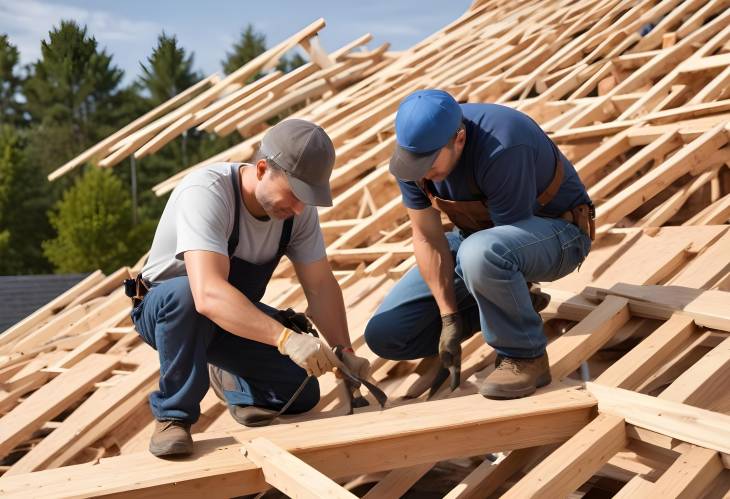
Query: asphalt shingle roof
[{"x": 24, "y": 294}]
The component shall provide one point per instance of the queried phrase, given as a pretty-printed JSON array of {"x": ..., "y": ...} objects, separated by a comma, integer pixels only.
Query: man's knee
[
  {"x": 307, "y": 399},
  {"x": 391, "y": 337},
  {"x": 483, "y": 254},
  {"x": 377, "y": 335}
]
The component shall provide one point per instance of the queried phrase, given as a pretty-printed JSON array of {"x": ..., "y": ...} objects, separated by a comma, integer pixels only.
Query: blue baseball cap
[{"x": 425, "y": 122}]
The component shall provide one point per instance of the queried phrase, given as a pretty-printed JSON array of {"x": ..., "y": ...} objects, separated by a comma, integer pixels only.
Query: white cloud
[{"x": 27, "y": 22}]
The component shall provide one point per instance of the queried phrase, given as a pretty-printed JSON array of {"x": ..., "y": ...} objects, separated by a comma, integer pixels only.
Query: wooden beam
[
  {"x": 585, "y": 338},
  {"x": 52, "y": 398},
  {"x": 488, "y": 477},
  {"x": 292, "y": 476},
  {"x": 690, "y": 475},
  {"x": 575, "y": 461},
  {"x": 690, "y": 424},
  {"x": 397, "y": 482},
  {"x": 340, "y": 446},
  {"x": 706, "y": 308},
  {"x": 637, "y": 364}
]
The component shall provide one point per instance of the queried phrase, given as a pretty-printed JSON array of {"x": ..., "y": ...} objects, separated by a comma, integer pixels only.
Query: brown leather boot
[
  {"x": 514, "y": 378},
  {"x": 171, "y": 438},
  {"x": 246, "y": 415}
]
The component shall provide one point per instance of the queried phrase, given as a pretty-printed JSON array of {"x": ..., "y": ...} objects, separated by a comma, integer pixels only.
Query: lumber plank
[
  {"x": 637, "y": 364},
  {"x": 488, "y": 477},
  {"x": 706, "y": 381},
  {"x": 690, "y": 476},
  {"x": 575, "y": 461},
  {"x": 397, "y": 482},
  {"x": 687, "y": 423},
  {"x": 707, "y": 308},
  {"x": 585, "y": 338},
  {"x": 340, "y": 446},
  {"x": 51, "y": 399},
  {"x": 290, "y": 475},
  {"x": 101, "y": 412}
]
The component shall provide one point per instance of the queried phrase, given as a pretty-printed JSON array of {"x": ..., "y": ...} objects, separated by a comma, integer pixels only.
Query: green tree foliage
[
  {"x": 169, "y": 70},
  {"x": 94, "y": 226},
  {"x": 290, "y": 63},
  {"x": 23, "y": 206},
  {"x": 250, "y": 45},
  {"x": 76, "y": 86},
  {"x": 11, "y": 109}
]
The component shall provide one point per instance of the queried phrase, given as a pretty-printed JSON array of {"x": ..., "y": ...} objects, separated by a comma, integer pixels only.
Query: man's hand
[
  {"x": 307, "y": 352},
  {"x": 358, "y": 366},
  {"x": 450, "y": 346}
]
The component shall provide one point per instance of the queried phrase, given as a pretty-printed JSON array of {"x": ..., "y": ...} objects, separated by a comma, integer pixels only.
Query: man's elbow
[{"x": 204, "y": 301}]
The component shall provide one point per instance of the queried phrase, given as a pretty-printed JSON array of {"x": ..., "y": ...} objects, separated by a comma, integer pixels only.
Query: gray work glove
[
  {"x": 450, "y": 346},
  {"x": 307, "y": 352}
]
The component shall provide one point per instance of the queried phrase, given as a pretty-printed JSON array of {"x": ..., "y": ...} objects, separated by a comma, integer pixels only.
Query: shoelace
[{"x": 513, "y": 364}]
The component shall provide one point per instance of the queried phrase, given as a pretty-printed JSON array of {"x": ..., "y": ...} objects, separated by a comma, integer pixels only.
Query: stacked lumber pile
[{"x": 635, "y": 92}]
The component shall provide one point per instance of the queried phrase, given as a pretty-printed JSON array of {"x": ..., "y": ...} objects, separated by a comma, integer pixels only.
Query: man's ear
[
  {"x": 260, "y": 168},
  {"x": 461, "y": 137}
]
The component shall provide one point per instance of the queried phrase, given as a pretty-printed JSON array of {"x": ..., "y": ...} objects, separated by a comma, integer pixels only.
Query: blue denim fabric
[
  {"x": 187, "y": 341},
  {"x": 493, "y": 267}
]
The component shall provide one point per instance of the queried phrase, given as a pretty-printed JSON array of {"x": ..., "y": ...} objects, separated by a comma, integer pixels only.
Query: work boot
[
  {"x": 171, "y": 438},
  {"x": 247, "y": 415},
  {"x": 514, "y": 378}
]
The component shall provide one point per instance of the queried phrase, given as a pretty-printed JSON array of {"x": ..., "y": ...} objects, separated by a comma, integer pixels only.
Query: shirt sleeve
[
  {"x": 307, "y": 242},
  {"x": 509, "y": 184},
  {"x": 201, "y": 221},
  {"x": 413, "y": 196}
]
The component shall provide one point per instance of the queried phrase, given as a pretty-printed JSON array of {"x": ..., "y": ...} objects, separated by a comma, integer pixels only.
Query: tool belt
[
  {"x": 583, "y": 216},
  {"x": 136, "y": 289}
]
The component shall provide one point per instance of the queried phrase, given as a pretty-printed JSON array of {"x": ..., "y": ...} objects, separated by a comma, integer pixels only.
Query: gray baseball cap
[{"x": 305, "y": 152}]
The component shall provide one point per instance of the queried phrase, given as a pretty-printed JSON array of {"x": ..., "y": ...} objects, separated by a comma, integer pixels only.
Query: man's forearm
[
  {"x": 437, "y": 268},
  {"x": 234, "y": 312},
  {"x": 327, "y": 310}
]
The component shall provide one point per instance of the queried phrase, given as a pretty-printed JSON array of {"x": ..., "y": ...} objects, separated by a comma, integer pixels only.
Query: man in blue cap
[{"x": 521, "y": 215}]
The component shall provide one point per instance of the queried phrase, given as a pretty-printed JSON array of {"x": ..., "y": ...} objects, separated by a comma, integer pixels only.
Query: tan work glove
[
  {"x": 358, "y": 366},
  {"x": 307, "y": 352}
]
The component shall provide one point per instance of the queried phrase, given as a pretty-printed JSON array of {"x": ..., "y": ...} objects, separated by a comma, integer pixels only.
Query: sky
[{"x": 128, "y": 29}]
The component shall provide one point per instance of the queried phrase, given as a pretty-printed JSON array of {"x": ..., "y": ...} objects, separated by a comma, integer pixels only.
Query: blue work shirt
[{"x": 512, "y": 161}]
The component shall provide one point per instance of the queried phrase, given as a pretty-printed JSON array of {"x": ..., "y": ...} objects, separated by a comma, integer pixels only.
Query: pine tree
[
  {"x": 11, "y": 109},
  {"x": 24, "y": 201},
  {"x": 250, "y": 45},
  {"x": 94, "y": 226},
  {"x": 169, "y": 70},
  {"x": 75, "y": 86},
  {"x": 287, "y": 64}
]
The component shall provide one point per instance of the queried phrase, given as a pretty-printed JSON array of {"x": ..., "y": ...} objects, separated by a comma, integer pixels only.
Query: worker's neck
[{"x": 248, "y": 192}]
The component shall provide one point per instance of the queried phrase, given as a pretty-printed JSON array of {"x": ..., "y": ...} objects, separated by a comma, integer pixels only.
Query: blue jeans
[
  {"x": 187, "y": 341},
  {"x": 492, "y": 269}
]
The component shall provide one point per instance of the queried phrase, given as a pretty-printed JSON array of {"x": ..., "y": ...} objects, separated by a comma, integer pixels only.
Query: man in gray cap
[{"x": 197, "y": 300}]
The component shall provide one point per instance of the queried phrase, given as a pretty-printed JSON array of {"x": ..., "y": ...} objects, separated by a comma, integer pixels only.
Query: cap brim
[
  {"x": 313, "y": 195},
  {"x": 407, "y": 165}
]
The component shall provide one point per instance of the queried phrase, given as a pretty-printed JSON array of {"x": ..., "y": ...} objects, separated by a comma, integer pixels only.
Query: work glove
[
  {"x": 358, "y": 366},
  {"x": 307, "y": 352},
  {"x": 450, "y": 346}
]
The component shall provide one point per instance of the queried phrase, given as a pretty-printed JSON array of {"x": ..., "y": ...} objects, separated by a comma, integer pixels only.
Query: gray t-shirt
[{"x": 199, "y": 216}]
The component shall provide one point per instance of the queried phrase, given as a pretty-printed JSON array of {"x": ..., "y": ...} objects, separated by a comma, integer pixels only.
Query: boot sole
[
  {"x": 497, "y": 393},
  {"x": 251, "y": 416},
  {"x": 172, "y": 449}
]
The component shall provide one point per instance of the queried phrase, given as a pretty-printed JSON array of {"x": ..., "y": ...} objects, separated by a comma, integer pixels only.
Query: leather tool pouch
[
  {"x": 584, "y": 217},
  {"x": 136, "y": 289}
]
